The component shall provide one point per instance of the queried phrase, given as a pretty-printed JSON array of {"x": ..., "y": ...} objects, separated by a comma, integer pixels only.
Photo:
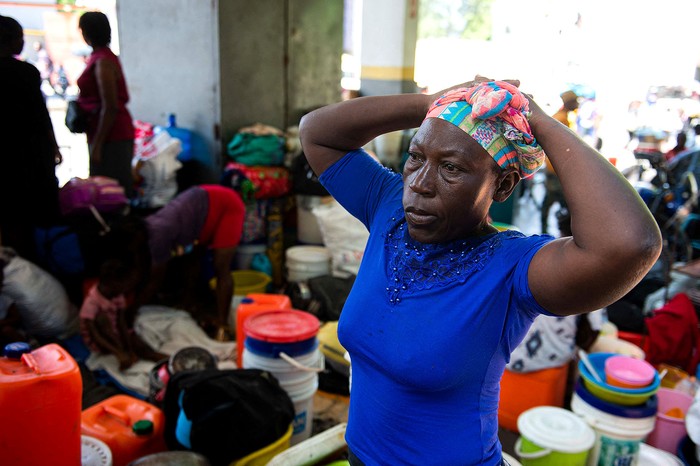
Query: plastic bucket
[
  {"x": 273, "y": 350},
  {"x": 308, "y": 229},
  {"x": 246, "y": 282},
  {"x": 670, "y": 430},
  {"x": 303, "y": 400},
  {"x": 619, "y": 430},
  {"x": 298, "y": 376},
  {"x": 552, "y": 436},
  {"x": 304, "y": 262},
  {"x": 244, "y": 255}
]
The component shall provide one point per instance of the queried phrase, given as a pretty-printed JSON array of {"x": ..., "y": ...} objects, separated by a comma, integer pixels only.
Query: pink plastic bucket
[{"x": 669, "y": 431}]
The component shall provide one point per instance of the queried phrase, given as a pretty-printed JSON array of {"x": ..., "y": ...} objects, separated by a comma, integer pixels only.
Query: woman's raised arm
[
  {"x": 330, "y": 132},
  {"x": 615, "y": 238}
]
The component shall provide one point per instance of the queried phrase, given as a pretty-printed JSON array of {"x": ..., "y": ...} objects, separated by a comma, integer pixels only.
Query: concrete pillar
[{"x": 388, "y": 51}]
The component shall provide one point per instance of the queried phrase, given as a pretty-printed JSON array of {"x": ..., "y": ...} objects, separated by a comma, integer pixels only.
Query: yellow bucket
[
  {"x": 246, "y": 282},
  {"x": 264, "y": 455}
]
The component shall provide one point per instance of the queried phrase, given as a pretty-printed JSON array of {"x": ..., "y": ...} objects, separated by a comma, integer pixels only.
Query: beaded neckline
[{"x": 415, "y": 266}]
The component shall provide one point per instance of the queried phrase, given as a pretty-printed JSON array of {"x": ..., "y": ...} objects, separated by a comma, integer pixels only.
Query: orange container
[
  {"x": 130, "y": 427},
  {"x": 40, "y": 402},
  {"x": 522, "y": 391},
  {"x": 252, "y": 304}
]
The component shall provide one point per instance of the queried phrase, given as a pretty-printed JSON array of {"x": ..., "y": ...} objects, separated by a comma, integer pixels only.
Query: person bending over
[
  {"x": 200, "y": 218},
  {"x": 442, "y": 297}
]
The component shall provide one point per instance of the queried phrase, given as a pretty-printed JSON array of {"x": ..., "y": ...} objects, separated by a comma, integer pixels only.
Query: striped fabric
[{"x": 495, "y": 114}]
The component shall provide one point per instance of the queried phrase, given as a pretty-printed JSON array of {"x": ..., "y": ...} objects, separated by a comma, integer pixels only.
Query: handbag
[{"x": 76, "y": 117}]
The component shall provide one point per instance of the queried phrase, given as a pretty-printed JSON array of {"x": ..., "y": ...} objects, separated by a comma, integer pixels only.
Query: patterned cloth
[{"x": 496, "y": 115}]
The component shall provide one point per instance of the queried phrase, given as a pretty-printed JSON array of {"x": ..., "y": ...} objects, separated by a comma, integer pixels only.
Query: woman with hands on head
[
  {"x": 442, "y": 297},
  {"x": 103, "y": 96}
]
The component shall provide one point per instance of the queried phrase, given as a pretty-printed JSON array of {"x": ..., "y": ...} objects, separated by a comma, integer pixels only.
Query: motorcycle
[{"x": 672, "y": 198}]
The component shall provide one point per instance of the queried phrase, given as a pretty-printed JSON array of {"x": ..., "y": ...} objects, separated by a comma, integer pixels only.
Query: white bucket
[
  {"x": 298, "y": 376},
  {"x": 303, "y": 401},
  {"x": 304, "y": 262},
  {"x": 618, "y": 438},
  {"x": 244, "y": 255},
  {"x": 308, "y": 229}
]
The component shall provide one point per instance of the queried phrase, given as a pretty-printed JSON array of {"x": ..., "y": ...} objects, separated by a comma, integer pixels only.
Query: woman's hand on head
[{"x": 477, "y": 79}]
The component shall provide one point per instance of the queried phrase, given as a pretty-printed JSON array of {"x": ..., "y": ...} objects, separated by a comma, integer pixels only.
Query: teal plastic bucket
[{"x": 551, "y": 436}]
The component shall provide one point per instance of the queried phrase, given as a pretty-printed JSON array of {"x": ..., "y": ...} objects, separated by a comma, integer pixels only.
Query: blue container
[
  {"x": 194, "y": 147},
  {"x": 273, "y": 349}
]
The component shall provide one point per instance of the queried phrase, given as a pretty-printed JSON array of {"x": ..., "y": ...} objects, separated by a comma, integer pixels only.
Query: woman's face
[{"x": 449, "y": 183}]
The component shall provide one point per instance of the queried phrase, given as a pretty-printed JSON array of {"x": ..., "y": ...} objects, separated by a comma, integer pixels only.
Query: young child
[{"x": 106, "y": 317}]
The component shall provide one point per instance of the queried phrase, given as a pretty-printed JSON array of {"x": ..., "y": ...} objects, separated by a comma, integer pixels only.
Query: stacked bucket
[
  {"x": 616, "y": 396},
  {"x": 284, "y": 342}
]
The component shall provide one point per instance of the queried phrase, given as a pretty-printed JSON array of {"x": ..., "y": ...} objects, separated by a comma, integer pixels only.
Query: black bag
[
  {"x": 76, "y": 118},
  {"x": 304, "y": 180},
  {"x": 233, "y": 412}
]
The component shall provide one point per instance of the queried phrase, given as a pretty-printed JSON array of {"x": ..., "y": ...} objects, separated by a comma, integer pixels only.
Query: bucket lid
[
  {"x": 556, "y": 429},
  {"x": 282, "y": 326},
  {"x": 94, "y": 452},
  {"x": 16, "y": 350},
  {"x": 142, "y": 427}
]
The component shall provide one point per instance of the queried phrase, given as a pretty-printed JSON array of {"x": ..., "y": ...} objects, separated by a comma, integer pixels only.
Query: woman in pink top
[{"x": 103, "y": 96}]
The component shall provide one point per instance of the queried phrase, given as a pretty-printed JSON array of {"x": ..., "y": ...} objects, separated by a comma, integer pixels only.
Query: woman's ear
[{"x": 506, "y": 182}]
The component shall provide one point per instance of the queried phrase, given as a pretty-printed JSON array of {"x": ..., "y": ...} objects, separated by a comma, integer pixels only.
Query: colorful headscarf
[{"x": 495, "y": 114}]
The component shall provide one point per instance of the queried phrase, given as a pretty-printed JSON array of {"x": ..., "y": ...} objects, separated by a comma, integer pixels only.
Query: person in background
[
  {"x": 553, "y": 191},
  {"x": 43, "y": 63},
  {"x": 200, "y": 218},
  {"x": 107, "y": 317},
  {"x": 103, "y": 96},
  {"x": 681, "y": 140},
  {"x": 29, "y": 154},
  {"x": 442, "y": 297}
]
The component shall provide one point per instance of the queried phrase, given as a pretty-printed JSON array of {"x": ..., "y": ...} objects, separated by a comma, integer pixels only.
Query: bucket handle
[
  {"x": 530, "y": 455},
  {"x": 299, "y": 365}
]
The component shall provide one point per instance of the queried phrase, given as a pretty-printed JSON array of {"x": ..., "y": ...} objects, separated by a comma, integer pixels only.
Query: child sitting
[{"x": 107, "y": 318}]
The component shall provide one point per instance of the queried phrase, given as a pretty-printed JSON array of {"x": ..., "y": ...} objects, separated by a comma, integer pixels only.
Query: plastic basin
[
  {"x": 628, "y": 372},
  {"x": 611, "y": 393}
]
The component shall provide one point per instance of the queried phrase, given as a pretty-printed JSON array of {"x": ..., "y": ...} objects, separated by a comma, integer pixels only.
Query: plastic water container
[
  {"x": 255, "y": 303},
  {"x": 40, "y": 402},
  {"x": 130, "y": 427},
  {"x": 551, "y": 436},
  {"x": 545, "y": 387},
  {"x": 670, "y": 430},
  {"x": 194, "y": 147},
  {"x": 619, "y": 430},
  {"x": 304, "y": 262},
  {"x": 298, "y": 374}
]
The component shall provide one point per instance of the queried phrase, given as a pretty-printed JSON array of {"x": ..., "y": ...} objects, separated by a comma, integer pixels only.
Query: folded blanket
[{"x": 166, "y": 330}]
